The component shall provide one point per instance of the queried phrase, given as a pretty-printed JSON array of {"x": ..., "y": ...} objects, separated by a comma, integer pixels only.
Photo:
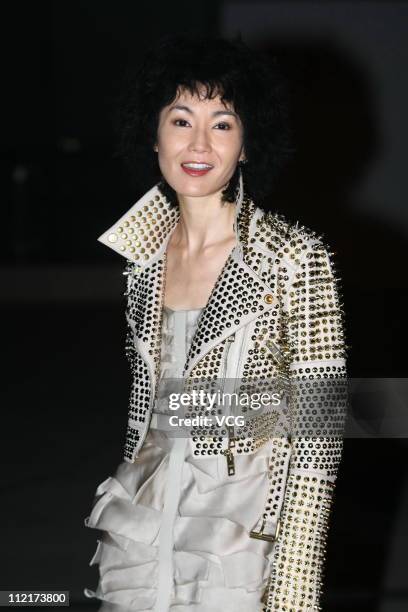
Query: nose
[{"x": 199, "y": 140}]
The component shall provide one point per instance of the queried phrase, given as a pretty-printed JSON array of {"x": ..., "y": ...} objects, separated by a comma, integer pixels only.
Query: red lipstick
[{"x": 189, "y": 169}]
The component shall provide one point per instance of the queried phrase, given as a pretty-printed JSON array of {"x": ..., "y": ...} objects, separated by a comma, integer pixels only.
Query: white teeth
[{"x": 197, "y": 166}]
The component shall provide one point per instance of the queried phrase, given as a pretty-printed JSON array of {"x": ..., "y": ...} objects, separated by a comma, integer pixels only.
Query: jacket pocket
[{"x": 212, "y": 472}]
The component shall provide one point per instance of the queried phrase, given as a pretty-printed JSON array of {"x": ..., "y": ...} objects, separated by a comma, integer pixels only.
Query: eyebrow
[{"x": 214, "y": 114}]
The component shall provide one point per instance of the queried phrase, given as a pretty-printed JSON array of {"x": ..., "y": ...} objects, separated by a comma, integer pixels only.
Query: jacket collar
[
  {"x": 239, "y": 296},
  {"x": 141, "y": 235}
]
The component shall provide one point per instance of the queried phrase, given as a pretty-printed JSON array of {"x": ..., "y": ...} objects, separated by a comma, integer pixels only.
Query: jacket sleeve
[{"x": 317, "y": 408}]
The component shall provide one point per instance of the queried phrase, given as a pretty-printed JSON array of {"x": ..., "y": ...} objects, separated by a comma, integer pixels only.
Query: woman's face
[{"x": 191, "y": 131}]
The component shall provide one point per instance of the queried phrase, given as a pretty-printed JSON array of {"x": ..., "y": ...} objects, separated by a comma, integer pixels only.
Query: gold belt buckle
[{"x": 260, "y": 535}]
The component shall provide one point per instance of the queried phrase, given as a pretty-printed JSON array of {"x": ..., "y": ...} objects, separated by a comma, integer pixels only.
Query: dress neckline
[{"x": 183, "y": 309}]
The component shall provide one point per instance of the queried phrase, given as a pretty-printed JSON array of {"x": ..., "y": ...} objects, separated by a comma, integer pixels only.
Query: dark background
[{"x": 66, "y": 382}]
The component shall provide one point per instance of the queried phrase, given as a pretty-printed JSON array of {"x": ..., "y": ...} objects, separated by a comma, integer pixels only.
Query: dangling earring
[
  {"x": 242, "y": 162},
  {"x": 239, "y": 189}
]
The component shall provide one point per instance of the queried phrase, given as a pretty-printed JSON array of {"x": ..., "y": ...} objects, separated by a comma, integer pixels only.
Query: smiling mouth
[{"x": 196, "y": 168}]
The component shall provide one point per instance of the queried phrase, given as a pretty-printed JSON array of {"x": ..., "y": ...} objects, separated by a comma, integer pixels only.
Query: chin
[{"x": 187, "y": 189}]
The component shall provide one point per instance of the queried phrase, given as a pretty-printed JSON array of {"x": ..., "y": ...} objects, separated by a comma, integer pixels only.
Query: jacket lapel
[{"x": 239, "y": 296}]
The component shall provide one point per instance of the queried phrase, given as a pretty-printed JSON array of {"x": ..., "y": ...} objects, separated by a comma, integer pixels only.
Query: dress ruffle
[{"x": 216, "y": 564}]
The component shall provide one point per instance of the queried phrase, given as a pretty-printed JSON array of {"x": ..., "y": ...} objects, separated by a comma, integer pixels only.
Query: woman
[{"x": 221, "y": 294}]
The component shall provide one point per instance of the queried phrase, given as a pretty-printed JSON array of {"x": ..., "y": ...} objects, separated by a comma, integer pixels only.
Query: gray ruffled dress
[{"x": 175, "y": 528}]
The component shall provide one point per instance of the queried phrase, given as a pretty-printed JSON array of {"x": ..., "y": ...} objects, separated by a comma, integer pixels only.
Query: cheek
[
  {"x": 230, "y": 148},
  {"x": 231, "y": 157},
  {"x": 166, "y": 151},
  {"x": 170, "y": 144}
]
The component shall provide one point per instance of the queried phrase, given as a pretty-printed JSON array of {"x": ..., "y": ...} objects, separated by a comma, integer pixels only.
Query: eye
[
  {"x": 176, "y": 121},
  {"x": 226, "y": 126}
]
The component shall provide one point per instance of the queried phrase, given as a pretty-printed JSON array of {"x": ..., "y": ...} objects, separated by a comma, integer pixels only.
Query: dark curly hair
[{"x": 248, "y": 80}]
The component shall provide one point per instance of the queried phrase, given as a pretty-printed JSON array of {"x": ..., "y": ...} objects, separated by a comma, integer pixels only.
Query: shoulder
[{"x": 288, "y": 240}]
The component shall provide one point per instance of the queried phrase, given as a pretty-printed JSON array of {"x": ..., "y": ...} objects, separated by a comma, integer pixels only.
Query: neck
[{"x": 204, "y": 222}]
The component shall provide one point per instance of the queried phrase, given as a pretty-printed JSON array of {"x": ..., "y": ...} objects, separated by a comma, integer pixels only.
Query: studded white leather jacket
[{"x": 274, "y": 313}]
